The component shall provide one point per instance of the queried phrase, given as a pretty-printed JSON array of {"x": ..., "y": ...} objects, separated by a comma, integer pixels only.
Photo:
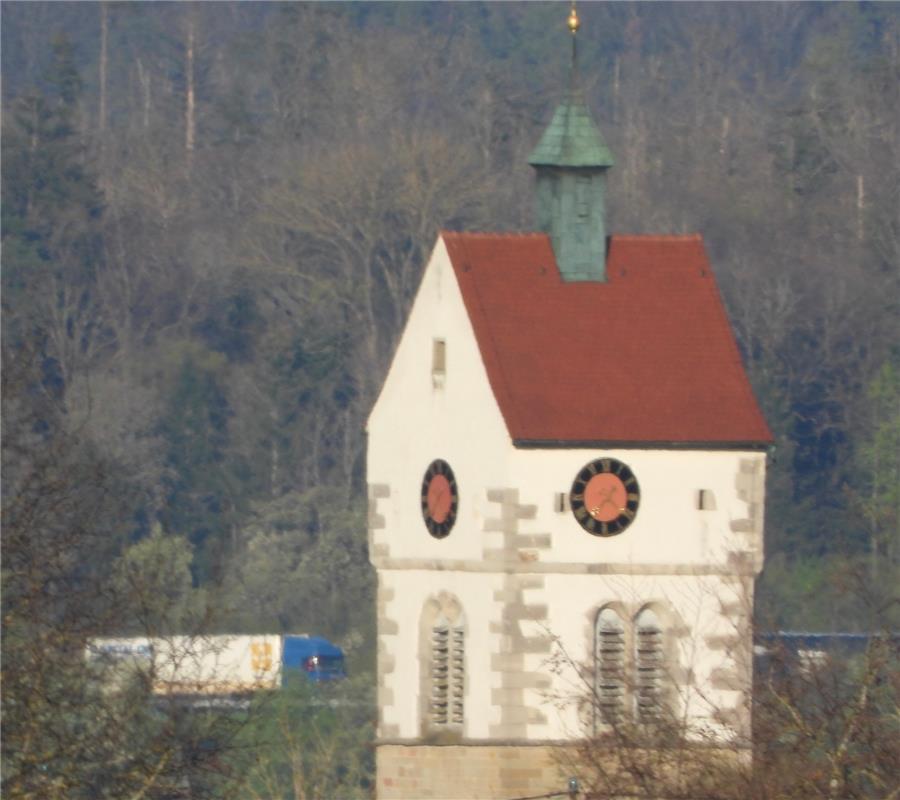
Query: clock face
[
  {"x": 440, "y": 498},
  {"x": 605, "y": 497}
]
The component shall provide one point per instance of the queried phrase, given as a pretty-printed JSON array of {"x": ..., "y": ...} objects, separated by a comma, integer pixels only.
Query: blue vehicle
[{"x": 315, "y": 657}]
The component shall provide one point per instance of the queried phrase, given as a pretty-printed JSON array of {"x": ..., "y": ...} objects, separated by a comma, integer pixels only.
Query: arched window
[
  {"x": 444, "y": 640},
  {"x": 649, "y": 663},
  {"x": 609, "y": 660}
]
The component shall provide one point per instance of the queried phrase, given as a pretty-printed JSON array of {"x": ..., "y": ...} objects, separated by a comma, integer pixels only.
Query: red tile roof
[{"x": 647, "y": 357}]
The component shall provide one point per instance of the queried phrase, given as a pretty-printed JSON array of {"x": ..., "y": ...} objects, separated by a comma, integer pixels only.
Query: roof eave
[{"x": 618, "y": 444}]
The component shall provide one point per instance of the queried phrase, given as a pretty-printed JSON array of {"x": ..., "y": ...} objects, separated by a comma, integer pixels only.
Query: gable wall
[{"x": 415, "y": 422}]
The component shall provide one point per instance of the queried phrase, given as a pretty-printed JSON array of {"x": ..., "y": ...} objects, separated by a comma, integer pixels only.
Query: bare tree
[
  {"x": 68, "y": 575},
  {"x": 824, "y": 726}
]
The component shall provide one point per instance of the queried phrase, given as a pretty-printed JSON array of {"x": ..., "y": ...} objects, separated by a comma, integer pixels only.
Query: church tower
[{"x": 566, "y": 470}]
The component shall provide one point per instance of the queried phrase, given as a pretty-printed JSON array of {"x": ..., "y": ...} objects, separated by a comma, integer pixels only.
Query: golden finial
[{"x": 574, "y": 22}]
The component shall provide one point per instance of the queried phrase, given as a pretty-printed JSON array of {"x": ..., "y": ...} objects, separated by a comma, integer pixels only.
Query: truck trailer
[{"x": 220, "y": 665}]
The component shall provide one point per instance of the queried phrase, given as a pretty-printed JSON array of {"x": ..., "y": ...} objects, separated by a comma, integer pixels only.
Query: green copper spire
[
  {"x": 571, "y": 160},
  {"x": 572, "y": 138}
]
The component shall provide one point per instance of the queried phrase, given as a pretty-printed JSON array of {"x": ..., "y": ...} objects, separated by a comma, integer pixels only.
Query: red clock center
[
  {"x": 440, "y": 499},
  {"x": 605, "y": 497}
]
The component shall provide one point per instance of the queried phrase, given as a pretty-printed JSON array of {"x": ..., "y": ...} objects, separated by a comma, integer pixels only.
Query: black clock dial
[
  {"x": 605, "y": 497},
  {"x": 440, "y": 498}
]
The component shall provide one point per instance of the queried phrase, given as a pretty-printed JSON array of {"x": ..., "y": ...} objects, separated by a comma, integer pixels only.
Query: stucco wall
[
  {"x": 669, "y": 530},
  {"x": 528, "y": 578},
  {"x": 530, "y": 637},
  {"x": 409, "y": 591},
  {"x": 669, "y": 534},
  {"x": 415, "y": 422}
]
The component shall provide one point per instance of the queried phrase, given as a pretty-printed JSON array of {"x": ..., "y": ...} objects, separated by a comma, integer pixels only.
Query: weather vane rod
[{"x": 574, "y": 24}]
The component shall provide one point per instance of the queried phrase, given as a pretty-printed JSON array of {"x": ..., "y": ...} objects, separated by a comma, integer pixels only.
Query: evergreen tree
[{"x": 51, "y": 209}]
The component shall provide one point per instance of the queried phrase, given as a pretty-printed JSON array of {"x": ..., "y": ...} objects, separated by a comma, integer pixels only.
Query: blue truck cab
[{"x": 312, "y": 656}]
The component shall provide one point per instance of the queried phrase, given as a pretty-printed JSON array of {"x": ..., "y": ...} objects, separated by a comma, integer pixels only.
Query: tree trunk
[
  {"x": 144, "y": 79},
  {"x": 273, "y": 455},
  {"x": 189, "y": 109},
  {"x": 104, "y": 61},
  {"x": 723, "y": 138},
  {"x": 860, "y": 205},
  {"x": 616, "y": 90}
]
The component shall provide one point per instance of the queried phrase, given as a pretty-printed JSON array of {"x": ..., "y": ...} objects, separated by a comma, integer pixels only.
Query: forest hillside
[
  {"x": 215, "y": 216},
  {"x": 214, "y": 219}
]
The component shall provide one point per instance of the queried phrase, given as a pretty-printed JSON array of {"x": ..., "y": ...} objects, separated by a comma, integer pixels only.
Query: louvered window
[
  {"x": 649, "y": 666},
  {"x": 457, "y": 674},
  {"x": 447, "y": 674},
  {"x": 610, "y": 665}
]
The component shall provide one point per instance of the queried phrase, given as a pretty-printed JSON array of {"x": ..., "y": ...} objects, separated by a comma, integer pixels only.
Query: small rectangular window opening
[
  {"x": 438, "y": 361},
  {"x": 706, "y": 500},
  {"x": 582, "y": 189},
  {"x": 561, "y": 502}
]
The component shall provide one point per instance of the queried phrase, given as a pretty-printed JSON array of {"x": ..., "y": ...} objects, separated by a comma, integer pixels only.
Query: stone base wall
[{"x": 466, "y": 771}]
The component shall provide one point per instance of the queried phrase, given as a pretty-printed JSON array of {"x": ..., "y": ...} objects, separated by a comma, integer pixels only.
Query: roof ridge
[
  {"x": 658, "y": 237},
  {"x": 493, "y": 234},
  {"x": 636, "y": 237}
]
